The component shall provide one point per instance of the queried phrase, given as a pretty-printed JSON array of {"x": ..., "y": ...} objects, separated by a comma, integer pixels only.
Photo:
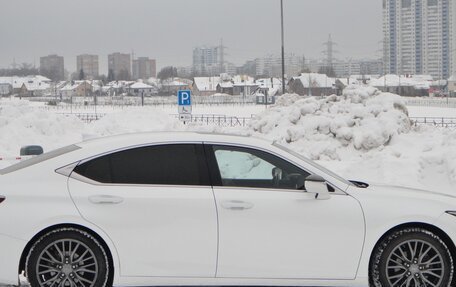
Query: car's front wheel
[
  {"x": 67, "y": 257},
  {"x": 412, "y": 257}
]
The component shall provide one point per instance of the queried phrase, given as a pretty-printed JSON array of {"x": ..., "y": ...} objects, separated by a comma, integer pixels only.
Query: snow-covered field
[{"x": 362, "y": 135}]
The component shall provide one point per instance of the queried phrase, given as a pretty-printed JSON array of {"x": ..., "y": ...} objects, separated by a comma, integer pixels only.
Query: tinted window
[
  {"x": 243, "y": 167},
  {"x": 165, "y": 164},
  {"x": 98, "y": 169}
]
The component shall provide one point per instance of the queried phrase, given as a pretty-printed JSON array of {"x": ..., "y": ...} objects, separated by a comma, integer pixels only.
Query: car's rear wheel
[
  {"x": 412, "y": 257},
  {"x": 67, "y": 257}
]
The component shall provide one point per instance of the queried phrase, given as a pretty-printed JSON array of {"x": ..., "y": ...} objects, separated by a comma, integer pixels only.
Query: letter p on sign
[{"x": 184, "y": 98}]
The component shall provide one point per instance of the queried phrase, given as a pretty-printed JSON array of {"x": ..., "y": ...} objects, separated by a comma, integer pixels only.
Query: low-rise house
[
  {"x": 140, "y": 89},
  {"x": 171, "y": 86},
  {"x": 312, "y": 84},
  {"x": 408, "y": 86},
  {"x": 5, "y": 89},
  {"x": 439, "y": 88},
  {"x": 206, "y": 86},
  {"x": 225, "y": 88},
  {"x": 269, "y": 86},
  {"x": 244, "y": 85},
  {"x": 342, "y": 83},
  {"x": 244, "y": 88},
  {"x": 117, "y": 88},
  {"x": 77, "y": 89},
  {"x": 34, "y": 89},
  {"x": 452, "y": 86},
  {"x": 31, "y": 81}
]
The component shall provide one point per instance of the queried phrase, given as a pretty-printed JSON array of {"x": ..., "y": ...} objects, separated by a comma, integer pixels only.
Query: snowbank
[
  {"x": 361, "y": 119},
  {"x": 424, "y": 158},
  {"x": 23, "y": 124}
]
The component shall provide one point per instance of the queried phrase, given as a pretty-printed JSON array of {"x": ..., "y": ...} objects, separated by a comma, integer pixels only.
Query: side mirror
[
  {"x": 317, "y": 184},
  {"x": 31, "y": 150}
]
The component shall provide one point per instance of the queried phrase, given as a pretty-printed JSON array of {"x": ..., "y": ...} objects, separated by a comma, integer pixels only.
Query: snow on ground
[{"x": 363, "y": 135}]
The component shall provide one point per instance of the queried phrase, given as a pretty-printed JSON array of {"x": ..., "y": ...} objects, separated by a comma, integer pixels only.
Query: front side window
[
  {"x": 244, "y": 167},
  {"x": 179, "y": 164}
]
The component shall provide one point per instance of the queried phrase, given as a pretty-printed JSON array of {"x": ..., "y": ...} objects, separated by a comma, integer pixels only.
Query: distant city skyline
[{"x": 168, "y": 31}]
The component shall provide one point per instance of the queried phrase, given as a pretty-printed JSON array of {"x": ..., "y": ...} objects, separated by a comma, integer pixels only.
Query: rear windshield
[{"x": 38, "y": 159}]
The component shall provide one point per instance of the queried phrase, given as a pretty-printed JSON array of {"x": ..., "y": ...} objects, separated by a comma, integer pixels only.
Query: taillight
[{"x": 2, "y": 199}]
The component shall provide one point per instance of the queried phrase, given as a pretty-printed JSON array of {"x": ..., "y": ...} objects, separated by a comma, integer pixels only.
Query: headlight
[{"x": 451, "y": 213}]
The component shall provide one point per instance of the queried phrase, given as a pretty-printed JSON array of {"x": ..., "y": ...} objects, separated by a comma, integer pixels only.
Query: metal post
[{"x": 283, "y": 48}]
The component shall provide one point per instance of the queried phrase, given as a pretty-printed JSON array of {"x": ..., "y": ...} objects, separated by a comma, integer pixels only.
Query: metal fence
[
  {"x": 232, "y": 121},
  {"x": 219, "y": 120},
  {"x": 85, "y": 117},
  {"x": 440, "y": 122},
  {"x": 89, "y": 102},
  {"x": 202, "y": 119},
  {"x": 431, "y": 102}
]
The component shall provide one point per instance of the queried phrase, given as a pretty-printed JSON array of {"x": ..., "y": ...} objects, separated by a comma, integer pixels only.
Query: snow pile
[
  {"x": 23, "y": 124},
  {"x": 361, "y": 119},
  {"x": 424, "y": 158},
  {"x": 131, "y": 121}
]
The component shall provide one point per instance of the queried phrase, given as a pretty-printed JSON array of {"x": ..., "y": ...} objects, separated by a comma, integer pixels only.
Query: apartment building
[
  {"x": 53, "y": 67},
  {"x": 419, "y": 37},
  {"x": 144, "y": 68},
  {"x": 119, "y": 65},
  {"x": 89, "y": 65}
]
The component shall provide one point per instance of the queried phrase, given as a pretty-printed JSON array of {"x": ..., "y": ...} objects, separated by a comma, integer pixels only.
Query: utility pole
[
  {"x": 283, "y": 48},
  {"x": 329, "y": 52}
]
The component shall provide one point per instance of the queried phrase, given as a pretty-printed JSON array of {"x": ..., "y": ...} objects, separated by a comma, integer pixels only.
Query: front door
[{"x": 269, "y": 227}]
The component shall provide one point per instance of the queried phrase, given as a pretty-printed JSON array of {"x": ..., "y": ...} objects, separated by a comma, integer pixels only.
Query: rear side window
[{"x": 179, "y": 164}]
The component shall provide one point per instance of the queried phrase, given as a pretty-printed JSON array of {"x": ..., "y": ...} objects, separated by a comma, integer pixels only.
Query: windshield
[{"x": 312, "y": 163}]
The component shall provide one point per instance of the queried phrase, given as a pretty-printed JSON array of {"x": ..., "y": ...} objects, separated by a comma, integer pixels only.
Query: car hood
[
  {"x": 410, "y": 190},
  {"x": 405, "y": 195}
]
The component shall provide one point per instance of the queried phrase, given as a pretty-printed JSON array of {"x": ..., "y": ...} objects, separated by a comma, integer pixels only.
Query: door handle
[
  {"x": 237, "y": 205},
  {"x": 105, "y": 199}
]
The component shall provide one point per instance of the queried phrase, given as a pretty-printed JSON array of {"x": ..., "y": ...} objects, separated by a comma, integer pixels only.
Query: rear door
[{"x": 156, "y": 204}]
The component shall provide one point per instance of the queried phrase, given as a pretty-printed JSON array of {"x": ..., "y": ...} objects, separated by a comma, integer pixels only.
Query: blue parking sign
[{"x": 184, "y": 98}]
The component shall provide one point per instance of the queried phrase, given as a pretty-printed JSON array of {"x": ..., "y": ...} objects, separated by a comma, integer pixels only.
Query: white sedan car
[{"x": 207, "y": 209}]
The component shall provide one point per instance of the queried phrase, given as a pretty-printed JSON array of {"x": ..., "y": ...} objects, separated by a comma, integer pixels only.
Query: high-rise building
[
  {"x": 119, "y": 66},
  {"x": 271, "y": 65},
  {"x": 53, "y": 67},
  {"x": 88, "y": 64},
  {"x": 419, "y": 37},
  {"x": 207, "y": 61},
  {"x": 453, "y": 40},
  {"x": 144, "y": 68},
  {"x": 352, "y": 67}
]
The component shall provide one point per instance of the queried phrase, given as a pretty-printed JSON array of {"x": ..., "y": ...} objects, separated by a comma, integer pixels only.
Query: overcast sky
[{"x": 168, "y": 30}]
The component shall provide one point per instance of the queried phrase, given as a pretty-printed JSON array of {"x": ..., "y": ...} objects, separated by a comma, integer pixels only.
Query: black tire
[
  {"x": 390, "y": 264},
  {"x": 58, "y": 243}
]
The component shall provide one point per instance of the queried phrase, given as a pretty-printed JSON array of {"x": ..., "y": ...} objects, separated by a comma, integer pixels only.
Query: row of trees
[{"x": 22, "y": 70}]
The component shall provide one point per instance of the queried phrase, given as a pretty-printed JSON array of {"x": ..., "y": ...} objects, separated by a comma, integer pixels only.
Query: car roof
[{"x": 133, "y": 139}]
